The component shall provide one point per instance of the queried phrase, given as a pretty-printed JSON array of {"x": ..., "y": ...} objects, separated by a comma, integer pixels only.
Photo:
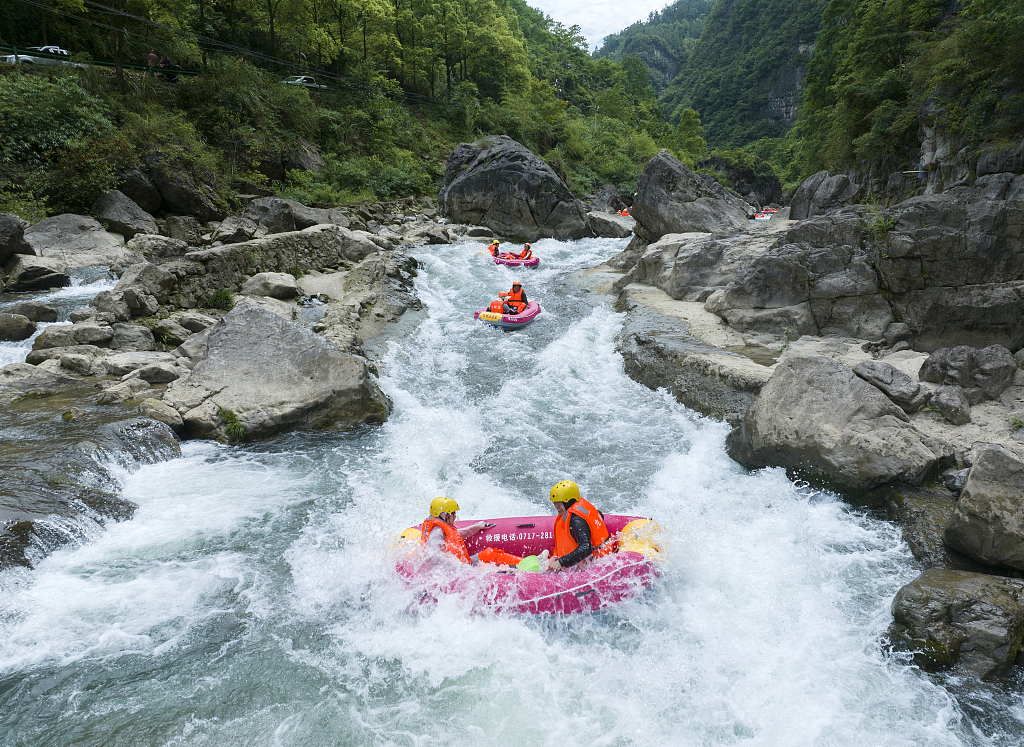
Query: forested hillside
[
  {"x": 662, "y": 42},
  {"x": 403, "y": 81}
]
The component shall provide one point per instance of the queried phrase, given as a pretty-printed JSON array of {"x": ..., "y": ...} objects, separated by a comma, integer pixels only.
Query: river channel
[{"x": 251, "y": 599}]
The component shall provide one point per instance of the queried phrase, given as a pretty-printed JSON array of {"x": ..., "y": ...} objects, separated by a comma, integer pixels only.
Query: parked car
[
  {"x": 308, "y": 81},
  {"x": 48, "y": 55}
]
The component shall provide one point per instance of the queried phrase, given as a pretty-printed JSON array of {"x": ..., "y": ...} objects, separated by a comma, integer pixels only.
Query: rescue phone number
[{"x": 520, "y": 536}]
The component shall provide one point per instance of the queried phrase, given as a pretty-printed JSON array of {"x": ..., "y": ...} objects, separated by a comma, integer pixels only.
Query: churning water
[{"x": 250, "y": 600}]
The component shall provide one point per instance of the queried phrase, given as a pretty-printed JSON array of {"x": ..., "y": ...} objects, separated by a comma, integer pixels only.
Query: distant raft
[
  {"x": 513, "y": 261},
  {"x": 510, "y": 321}
]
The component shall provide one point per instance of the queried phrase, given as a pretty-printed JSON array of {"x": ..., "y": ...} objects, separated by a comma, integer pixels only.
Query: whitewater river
[{"x": 250, "y": 601}]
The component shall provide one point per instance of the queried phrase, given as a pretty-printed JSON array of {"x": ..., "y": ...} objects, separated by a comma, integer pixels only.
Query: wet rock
[
  {"x": 988, "y": 522},
  {"x": 264, "y": 375},
  {"x": 278, "y": 285},
  {"x": 502, "y": 185},
  {"x": 30, "y": 273},
  {"x": 923, "y": 514},
  {"x": 120, "y": 364},
  {"x": 115, "y": 393},
  {"x": 117, "y": 211},
  {"x": 161, "y": 412},
  {"x": 972, "y": 621},
  {"x": 672, "y": 199},
  {"x": 15, "y": 327},
  {"x": 819, "y": 419},
  {"x": 19, "y": 379},
  {"x": 895, "y": 384},
  {"x": 955, "y": 479},
  {"x": 37, "y": 312}
]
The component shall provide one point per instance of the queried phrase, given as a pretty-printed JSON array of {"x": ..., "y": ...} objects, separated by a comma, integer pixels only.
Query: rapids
[{"x": 251, "y": 601}]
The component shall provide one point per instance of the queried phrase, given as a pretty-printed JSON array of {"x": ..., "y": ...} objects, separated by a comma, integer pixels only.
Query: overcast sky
[{"x": 598, "y": 18}]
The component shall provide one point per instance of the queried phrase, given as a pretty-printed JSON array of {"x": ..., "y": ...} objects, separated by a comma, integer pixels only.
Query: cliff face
[{"x": 745, "y": 73}]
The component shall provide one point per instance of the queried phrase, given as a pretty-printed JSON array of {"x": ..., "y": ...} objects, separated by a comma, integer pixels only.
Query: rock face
[
  {"x": 672, "y": 199},
  {"x": 988, "y": 521},
  {"x": 265, "y": 375},
  {"x": 971, "y": 620},
  {"x": 122, "y": 215},
  {"x": 820, "y": 193},
  {"x": 818, "y": 418},
  {"x": 500, "y": 184}
]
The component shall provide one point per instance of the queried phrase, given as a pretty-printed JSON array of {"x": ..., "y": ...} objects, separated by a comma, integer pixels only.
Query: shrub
[{"x": 222, "y": 299}]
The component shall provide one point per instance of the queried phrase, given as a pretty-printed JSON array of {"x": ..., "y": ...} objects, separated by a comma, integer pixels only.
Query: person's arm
[
  {"x": 580, "y": 531},
  {"x": 525, "y": 299},
  {"x": 471, "y": 529}
]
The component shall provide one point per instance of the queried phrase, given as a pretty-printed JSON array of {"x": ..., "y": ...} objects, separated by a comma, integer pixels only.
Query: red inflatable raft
[
  {"x": 514, "y": 261},
  {"x": 509, "y": 321},
  {"x": 489, "y": 588}
]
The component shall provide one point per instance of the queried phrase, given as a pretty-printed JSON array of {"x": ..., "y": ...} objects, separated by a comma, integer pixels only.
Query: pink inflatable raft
[
  {"x": 491, "y": 588},
  {"x": 509, "y": 321},
  {"x": 511, "y": 261}
]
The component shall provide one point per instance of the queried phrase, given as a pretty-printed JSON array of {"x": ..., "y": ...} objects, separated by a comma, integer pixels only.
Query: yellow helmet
[
  {"x": 442, "y": 505},
  {"x": 566, "y": 490}
]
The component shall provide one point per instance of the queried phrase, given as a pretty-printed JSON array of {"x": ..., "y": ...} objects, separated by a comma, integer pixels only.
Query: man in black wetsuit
[{"x": 580, "y": 531}]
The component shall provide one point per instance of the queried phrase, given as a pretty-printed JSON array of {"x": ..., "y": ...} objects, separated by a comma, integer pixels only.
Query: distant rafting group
[{"x": 513, "y": 309}]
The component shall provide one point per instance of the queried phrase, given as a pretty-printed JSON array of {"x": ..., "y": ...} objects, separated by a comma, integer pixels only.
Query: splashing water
[{"x": 251, "y": 601}]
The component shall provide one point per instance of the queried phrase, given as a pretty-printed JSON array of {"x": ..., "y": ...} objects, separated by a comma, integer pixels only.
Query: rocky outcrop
[
  {"x": 182, "y": 191},
  {"x": 138, "y": 188},
  {"x": 672, "y": 199},
  {"x": 500, "y": 184},
  {"x": 12, "y": 232},
  {"x": 988, "y": 521},
  {"x": 610, "y": 225},
  {"x": 607, "y": 200},
  {"x": 972, "y": 621},
  {"x": 981, "y": 374},
  {"x": 821, "y": 193},
  {"x": 263, "y": 375},
  {"x": 759, "y": 190},
  {"x": 819, "y": 419},
  {"x": 76, "y": 241},
  {"x": 123, "y": 216}
]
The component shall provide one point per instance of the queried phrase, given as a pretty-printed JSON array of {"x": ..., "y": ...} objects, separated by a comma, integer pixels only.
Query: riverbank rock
[
  {"x": 980, "y": 374},
  {"x": 36, "y": 311},
  {"x": 988, "y": 521},
  {"x": 117, "y": 211},
  {"x": 14, "y": 327},
  {"x": 672, "y": 199},
  {"x": 76, "y": 241},
  {"x": 610, "y": 225},
  {"x": 819, "y": 419},
  {"x": 31, "y": 273},
  {"x": 894, "y": 384},
  {"x": 263, "y": 375},
  {"x": 972, "y": 621},
  {"x": 12, "y": 232},
  {"x": 500, "y": 184}
]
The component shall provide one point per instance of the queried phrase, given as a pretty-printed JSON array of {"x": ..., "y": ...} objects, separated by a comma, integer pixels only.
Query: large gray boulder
[
  {"x": 672, "y": 199},
  {"x": 138, "y": 188},
  {"x": 820, "y": 193},
  {"x": 36, "y": 311},
  {"x": 121, "y": 215},
  {"x": 278, "y": 215},
  {"x": 988, "y": 521},
  {"x": 817, "y": 418},
  {"x": 152, "y": 245},
  {"x": 76, "y": 241},
  {"x": 183, "y": 191},
  {"x": 971, "y": 621},
  {"x": 263, "y": 375},
  {"x": 500, "y": 184},
  {"x": 610, "y": 225}
]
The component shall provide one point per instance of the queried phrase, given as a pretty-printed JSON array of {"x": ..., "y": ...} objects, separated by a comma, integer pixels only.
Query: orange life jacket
[
  {"x": 494, "y": 249},
  {"x": 565, "y": 544},
  {"x": 497, "y": 306},
  {"x": 525, "y": 254},
  {"x": 453, "y": 542},
  {"x": 515, "y": 299}
]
